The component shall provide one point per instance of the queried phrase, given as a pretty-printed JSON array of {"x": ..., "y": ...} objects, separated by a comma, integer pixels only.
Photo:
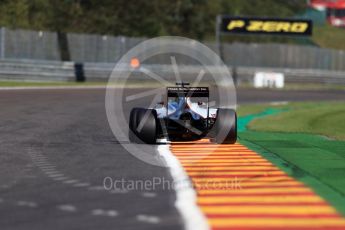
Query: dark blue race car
[{"x": 185, "y": 116}]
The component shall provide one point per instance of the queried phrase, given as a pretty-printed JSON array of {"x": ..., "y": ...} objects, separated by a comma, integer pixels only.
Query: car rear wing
[{"x": 188, "y": 91}]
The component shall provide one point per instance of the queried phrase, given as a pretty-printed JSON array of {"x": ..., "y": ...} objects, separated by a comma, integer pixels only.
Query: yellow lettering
[
  {"x": 255, "y": 26},
  {"x": 283, "y": 27},
  {"x": 299, "y": 27},
  {"x": 236, "y": 24},
  {"x": 270, "y": 26}
]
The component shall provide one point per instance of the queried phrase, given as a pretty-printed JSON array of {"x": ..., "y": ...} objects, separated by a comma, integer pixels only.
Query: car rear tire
[
  {"x": 132, "y": 134},
  {"x": 226, "y": 126},
  {"x": 145, "y": 132}
]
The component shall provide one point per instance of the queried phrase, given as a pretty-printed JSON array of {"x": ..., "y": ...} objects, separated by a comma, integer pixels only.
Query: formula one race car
[{"x": 185, "y": 117}]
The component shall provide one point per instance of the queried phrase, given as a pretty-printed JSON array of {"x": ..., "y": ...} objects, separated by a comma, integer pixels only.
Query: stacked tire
[{"x": 143, "y": 126}]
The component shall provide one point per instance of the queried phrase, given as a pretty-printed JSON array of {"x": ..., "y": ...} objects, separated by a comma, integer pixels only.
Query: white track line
[
  {"x": 186, "y": 198},
  {"x": 277, "y": 103},
  {"x": 67, "y": 208}
]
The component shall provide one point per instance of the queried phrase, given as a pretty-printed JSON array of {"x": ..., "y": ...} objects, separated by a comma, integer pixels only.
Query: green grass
[
  {"x": 323, "y": 118},
  {"x": 296, "y": 86},
  {"x": 329, "y": 37},
  {"x": 244, "y": 110}
]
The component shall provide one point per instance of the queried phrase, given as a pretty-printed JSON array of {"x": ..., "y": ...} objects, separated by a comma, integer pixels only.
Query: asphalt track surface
[{"x": 56, "y": 150}]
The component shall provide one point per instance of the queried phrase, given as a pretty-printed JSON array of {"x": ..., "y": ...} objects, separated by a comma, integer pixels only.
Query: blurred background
[
  {"x": 42, "y": 40},
  {"x": 57, "y": 147}
]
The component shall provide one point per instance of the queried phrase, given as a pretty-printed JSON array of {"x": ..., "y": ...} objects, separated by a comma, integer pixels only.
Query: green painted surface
[{"x": 315, "y": 160}]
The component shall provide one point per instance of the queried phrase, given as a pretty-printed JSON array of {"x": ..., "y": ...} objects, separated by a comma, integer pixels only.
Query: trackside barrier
[
  {"x": 92, "y": 48},
  {"x": 79, "y": 72},
  {"x": 69, "y": 71}
]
